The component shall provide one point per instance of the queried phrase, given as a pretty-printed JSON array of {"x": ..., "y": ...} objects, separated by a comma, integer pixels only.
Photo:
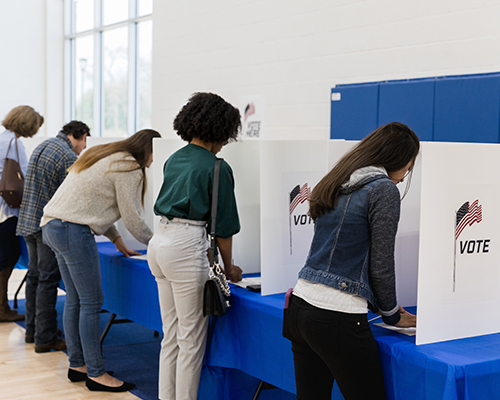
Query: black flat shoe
[
  {"x": 77, "y": 376},
  {"x": 97, "y": 387}
]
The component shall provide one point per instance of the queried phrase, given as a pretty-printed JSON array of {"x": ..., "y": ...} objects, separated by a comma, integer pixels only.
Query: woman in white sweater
[{"x": 108, "y": 182}]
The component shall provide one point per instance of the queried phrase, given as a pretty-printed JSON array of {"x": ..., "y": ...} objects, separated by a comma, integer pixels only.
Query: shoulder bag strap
[
  {"x": 8, "y": 148},
  {"x": 215, "y": 196},
  {"x": 17, "y": 150}
]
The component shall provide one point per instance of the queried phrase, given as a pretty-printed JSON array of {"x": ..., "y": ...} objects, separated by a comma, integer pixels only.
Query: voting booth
[{"x": 446, "y": 257}]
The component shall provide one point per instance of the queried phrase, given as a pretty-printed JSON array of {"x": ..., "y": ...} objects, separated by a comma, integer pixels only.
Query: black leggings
[
  {"x": 9, "y": 243},
  {"x": 330, "y": 345}
]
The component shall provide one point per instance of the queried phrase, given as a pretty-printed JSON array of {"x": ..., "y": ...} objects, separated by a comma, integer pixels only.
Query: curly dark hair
[
  {"x": 76, "y": 128},
  {"x": 208, "y": 117}
]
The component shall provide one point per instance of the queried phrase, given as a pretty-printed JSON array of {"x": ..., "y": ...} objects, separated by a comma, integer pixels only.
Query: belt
[{"x": 181, "y": 221}]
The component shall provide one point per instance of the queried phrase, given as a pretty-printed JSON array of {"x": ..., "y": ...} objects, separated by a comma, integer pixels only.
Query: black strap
[{"x": 215, "y": 197}]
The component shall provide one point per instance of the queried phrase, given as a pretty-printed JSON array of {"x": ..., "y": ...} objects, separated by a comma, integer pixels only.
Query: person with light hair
[{"x": 21, "y": 121}]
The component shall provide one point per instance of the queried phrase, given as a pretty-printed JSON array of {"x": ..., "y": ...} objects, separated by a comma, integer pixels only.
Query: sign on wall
[{"x": 253, "y": 116}]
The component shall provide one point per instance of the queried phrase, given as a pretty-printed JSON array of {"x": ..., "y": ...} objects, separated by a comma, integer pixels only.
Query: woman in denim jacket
[{"x": 350, "y": 267}]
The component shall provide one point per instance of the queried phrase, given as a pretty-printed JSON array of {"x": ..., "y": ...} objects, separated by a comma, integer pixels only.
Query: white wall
[
  {"x": 294, "y": 51},
  {"x": 31, "y": 60}
]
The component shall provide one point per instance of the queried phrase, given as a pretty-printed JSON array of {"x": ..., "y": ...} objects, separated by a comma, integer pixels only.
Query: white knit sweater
[{"x": 98, "y": 197}]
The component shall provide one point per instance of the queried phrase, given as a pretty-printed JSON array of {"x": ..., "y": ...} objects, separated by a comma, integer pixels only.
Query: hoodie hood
[{"x": 361, "y": 177}]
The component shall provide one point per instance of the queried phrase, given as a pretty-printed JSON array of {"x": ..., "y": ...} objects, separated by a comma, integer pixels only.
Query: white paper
[
  {"x": 404, "y": 331},
  {"x": 141, "y": 257},
  {"x": 248, "y": 281}
]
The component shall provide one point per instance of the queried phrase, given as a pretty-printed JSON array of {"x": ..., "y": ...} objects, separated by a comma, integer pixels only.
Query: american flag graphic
[
  {"x": 468, "y": 215},
  {"x": 249, "y": 110},
  {"x": 298, "y": 195}
]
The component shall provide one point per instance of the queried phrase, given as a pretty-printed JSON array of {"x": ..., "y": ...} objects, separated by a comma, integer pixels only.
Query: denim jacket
[{"x": 353, "y": 245}]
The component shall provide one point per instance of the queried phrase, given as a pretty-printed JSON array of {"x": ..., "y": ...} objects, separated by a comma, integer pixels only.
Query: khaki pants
[{"x": 178, "y": 260}]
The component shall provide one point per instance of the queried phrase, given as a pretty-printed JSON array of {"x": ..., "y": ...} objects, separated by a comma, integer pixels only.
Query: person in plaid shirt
[{"x": 47, "y": 169}]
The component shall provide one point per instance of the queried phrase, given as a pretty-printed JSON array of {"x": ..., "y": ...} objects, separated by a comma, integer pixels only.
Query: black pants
[
  {"x": 41, "y": 290},
  {"x": 9, "y": 243},
  {"x": 329, "y": 345}
]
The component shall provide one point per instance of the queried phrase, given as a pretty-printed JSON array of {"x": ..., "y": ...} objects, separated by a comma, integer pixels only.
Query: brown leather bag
[{"x": 12, "y": 181}]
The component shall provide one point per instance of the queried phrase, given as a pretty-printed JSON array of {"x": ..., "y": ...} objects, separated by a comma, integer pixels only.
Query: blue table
[{"x": 247, "y": 342}]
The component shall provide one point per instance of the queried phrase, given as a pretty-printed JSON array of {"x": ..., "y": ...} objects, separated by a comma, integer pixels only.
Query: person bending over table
[
  {"x": 177, "y": 253},
  {"x": 106, "y": 183},
  {"x": 355, "y": 209}
]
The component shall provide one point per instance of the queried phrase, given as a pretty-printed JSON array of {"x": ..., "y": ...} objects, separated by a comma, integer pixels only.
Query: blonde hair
[
  {"x": 23, "y": 120},
  {"x": 139, "y": 146}
]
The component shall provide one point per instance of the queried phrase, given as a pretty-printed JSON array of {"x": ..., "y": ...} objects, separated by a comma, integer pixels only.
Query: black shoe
[
  {"x": 97, "y": 387},
  {"x": 77, "y": 376},
  {"x": 31, "y": 338},
  {"x": 58, "y": 344}
]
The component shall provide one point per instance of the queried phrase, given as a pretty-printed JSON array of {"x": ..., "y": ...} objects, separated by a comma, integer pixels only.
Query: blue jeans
[
  {"x": 78, "y": 258},
  {"x": 41, "y": 290}
]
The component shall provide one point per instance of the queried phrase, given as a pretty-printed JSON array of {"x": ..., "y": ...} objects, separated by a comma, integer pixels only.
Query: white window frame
[{"x": 70, "y": 63}]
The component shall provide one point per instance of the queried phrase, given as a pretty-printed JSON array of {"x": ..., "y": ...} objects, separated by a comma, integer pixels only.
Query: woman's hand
[
  {"x": 234, "y": 273},
  {"x": 407, "y": 320},
  {"x": 120, "y": 246}
]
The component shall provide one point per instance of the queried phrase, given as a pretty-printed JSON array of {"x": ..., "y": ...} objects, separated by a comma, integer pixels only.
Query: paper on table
[
  {"x": 404, "y": 331},
  {"x": 141, "y": 257},
  {"x": 248, "y": 281}
]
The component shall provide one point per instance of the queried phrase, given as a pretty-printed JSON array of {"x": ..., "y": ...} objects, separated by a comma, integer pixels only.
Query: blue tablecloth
[{"x": 249, "y": 339}]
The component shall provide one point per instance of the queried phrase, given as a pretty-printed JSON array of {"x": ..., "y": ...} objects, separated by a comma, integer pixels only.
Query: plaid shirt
[{"x": 47, "y": 169}]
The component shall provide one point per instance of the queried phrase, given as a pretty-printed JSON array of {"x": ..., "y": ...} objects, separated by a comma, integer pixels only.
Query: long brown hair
[
  {"x": 139, "y": 146},
  {"x": 392, "y": 146}
]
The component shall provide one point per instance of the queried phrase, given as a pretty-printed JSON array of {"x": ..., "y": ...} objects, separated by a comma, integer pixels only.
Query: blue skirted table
[{"x": 247, "y": 345}]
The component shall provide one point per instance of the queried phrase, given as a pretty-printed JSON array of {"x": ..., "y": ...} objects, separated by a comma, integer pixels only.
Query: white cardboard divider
[
  {"x": 289, "y": 169},
  {"x": 244, "y": 158},
  {"x": 458, "y": 277}
]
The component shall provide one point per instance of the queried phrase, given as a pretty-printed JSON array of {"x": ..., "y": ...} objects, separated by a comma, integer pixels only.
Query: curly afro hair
[
  {"x": 208, "y": 117},
  {"x": 76, "y": 128}
]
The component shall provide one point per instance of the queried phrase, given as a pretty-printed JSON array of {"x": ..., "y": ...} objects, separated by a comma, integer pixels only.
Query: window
[{"x": 109, "y": 47}]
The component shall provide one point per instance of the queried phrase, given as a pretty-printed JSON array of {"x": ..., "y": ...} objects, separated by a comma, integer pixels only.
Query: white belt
[{"x": 181, "y": 221}]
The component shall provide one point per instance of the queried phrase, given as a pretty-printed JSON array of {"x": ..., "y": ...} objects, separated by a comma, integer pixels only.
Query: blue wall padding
[
  {"x": 462, "y": 108},
  {"x": 467, "y": 109},
  {"x": 410, "y": 102},
  {"x": 355, "y": 115}
]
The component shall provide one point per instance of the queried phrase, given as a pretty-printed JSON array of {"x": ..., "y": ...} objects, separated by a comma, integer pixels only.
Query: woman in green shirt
[{"x": 177, "y": 253}]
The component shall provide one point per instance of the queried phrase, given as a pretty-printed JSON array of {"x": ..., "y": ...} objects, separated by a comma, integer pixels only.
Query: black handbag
[
  {"x": 12, "y": 181},
  {"x": 216, "y": 292}
]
